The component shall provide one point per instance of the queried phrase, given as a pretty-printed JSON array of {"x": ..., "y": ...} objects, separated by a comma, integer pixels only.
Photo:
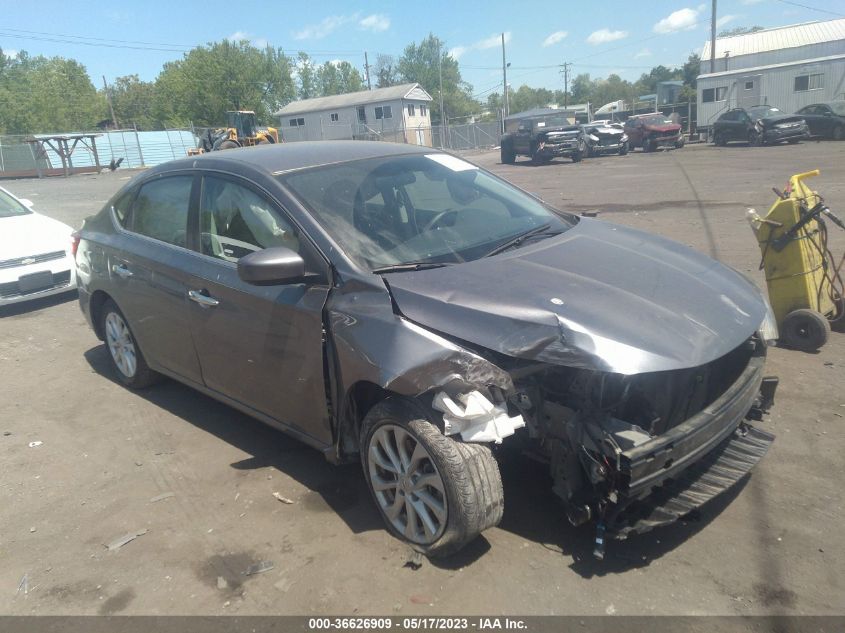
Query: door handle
[
  {"x": 121, "y": 271},
  {"x": 203, "y": 299}
]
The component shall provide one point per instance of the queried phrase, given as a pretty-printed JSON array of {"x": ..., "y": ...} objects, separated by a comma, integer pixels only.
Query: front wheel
[
  {"x": 126, "y": 357},
  {"x": 649, "y": 145},
  {"x": 576, "y": 157},
  {"x": 755, "y": 139},
  {"x": 624, "y": 149},
  {"x": 507, "y": 154},
  {"x": 433, "y": 492}
]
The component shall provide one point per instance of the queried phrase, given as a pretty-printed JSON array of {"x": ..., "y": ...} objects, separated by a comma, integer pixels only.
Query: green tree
[
  {"x": 691, "y": 70},
  {"x": 222, "y": 76},
  {"x": 133, "y": 101},
  {"x": 307, "y": 74},
  {"x": 385, "y": 71},
  {"x": 423, "y": 63},
  {"x": 42, "y": 95},
  {"x": 581, "y": 88},
  {"x": 740, "y": 30},
  {"x": 334, "y": 78}
]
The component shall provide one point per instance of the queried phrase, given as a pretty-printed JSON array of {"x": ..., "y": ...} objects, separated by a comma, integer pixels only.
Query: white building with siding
[
  {"x": 787, "y": 67},
  {"x": 397, "y": 113}
]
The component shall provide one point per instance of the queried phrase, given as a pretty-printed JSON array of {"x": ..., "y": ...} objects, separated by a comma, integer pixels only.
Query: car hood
[
  {"x": 605, "y": 131},
  {"x": 32, "y": 234},
  {"x": 668, "y": 127},
  {"x": 599, "y": 296},
  {"x": 781, "y": 118}
]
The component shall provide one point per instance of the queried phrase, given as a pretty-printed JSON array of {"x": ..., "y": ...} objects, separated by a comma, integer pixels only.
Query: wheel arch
[{"x": 97, "y": 301}]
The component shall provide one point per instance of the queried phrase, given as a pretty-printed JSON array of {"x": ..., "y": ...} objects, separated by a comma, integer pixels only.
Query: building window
[
  {"x": 362, "y": 114},
  {"x": 749, "y": 85},
  {"x": 384, "y": 112},
  {"x": 297, "y": 122},
  {"x": 422, "y": 110},
  {"x": 335, "y": 117},
  {"x": 709, "y": 95},
  {"x": 411, "y": 110},
  {"x": 809, "y": 82}
]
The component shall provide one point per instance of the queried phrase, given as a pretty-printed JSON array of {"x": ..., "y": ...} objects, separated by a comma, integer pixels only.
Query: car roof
[{"x": 282, "y": 157}]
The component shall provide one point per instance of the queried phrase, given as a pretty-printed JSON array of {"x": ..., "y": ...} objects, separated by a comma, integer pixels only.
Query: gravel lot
[{"x": 773, "y": 546}]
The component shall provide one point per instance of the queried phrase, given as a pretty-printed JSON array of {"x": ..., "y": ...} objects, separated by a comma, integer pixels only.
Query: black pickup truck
[{"x": 543, "y": 137}]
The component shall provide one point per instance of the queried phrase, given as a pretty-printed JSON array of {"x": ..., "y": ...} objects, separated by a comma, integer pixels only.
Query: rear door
[
  {"x": 819, "y": 124},
  {"x": 147, "y": 273},
  {"x": 259, "y": 345}
]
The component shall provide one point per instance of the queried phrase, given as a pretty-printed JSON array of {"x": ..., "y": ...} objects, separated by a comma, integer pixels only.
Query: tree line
[{"x": 40, "y": 94}]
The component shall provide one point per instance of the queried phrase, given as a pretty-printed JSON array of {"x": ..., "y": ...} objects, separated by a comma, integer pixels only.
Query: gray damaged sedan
[{"x": 401, "y": 306}]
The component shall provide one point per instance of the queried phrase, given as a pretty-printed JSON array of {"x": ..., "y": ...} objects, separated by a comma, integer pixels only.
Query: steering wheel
[{"x": 436, "y": 219}]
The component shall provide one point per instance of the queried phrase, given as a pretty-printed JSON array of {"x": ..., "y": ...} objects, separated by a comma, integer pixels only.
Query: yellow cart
[{"x": 805, "y": 287}]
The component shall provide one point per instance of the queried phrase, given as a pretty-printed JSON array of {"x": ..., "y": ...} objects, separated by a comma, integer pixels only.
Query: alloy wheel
[
  {"x": 120, "y": 344},
  {"x": 407, "y": 484}
]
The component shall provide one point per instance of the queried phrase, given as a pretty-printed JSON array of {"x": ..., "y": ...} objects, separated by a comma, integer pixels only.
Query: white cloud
[
  {"x": 554, "y": 38},
  {"x": 725, "y": 19},
  {"x": 457, "y": 51},
  {"x": 643, "y": 53},
  {"x": 326, "y": 27},
  {"x": 10, "y": 52},
  {"x": 680, "y": 20},
  {"x": 488, "y": 42},
  {"x": 238, "y": 36},
  {"x": 377, "y": 22},
  {"x": 603, "y": 36}
]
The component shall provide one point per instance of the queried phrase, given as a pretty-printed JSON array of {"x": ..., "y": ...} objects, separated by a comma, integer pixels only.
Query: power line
[{"x": 804, "y": 6}]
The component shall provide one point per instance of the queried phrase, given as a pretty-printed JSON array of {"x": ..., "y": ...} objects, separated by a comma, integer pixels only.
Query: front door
[
  {"x": 420, "y": 137},
  {"x": 748, "y": 91},
  {"x": 259, "y": 345}
]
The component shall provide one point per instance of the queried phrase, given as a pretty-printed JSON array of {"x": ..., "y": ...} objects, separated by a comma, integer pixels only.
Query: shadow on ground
[
  {"x": 32, "y": 307},
  {"x": 532, "y": 511}
]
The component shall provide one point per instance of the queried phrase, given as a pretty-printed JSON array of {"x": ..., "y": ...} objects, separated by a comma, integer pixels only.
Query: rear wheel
[
  {"x": 805, "y": 330},
  {"x": 838, "y": 133},
  {"x": 228, "y": 144},
  {"x": 126, "y": 357},
  {"x": 623, "y": 149},
  {"x": 720, "y": 139},
  {"x": 434, "y": 492}
]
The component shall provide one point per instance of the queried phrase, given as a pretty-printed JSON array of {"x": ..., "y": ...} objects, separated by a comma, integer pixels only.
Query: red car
[{"x": 651, "y": 131}]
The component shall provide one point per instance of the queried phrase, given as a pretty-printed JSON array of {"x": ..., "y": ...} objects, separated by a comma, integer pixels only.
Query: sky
[{"x": 627, "y": 38}]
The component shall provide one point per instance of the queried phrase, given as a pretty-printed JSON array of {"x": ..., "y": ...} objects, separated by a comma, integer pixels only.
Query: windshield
[
  {"x": 10, "y": 207},
  {"x": 761, "y": 112},
  {"x": 657, "y": 119},
  {"x": 432, "y": 208},
  {"x": 838, "y": 107},
  {"x": 557, "y": 120}
]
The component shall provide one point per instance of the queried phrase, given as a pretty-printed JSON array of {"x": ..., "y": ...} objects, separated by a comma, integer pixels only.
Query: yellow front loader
[
  {"x": 803, "y": 279},
  {"x": 240, "y": 131}
]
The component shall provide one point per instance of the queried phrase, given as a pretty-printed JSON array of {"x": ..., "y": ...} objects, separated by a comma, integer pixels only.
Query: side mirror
[
  {"x": 271, "y": 266},
  {"x": 26, "y": 202}
]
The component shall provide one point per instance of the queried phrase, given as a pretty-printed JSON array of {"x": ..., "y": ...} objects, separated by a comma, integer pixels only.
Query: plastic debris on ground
[
  {"x": 162, "y": 497},
  {"x": 282, "y": 499},
  {"x": 119, "y": 542},
  {"x": 259, "y": 568}
]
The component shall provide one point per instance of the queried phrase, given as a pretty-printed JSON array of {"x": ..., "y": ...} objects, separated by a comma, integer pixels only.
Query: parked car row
[
  {"x": 766, "y": 125},
  {"x": 547, "y": 136}
]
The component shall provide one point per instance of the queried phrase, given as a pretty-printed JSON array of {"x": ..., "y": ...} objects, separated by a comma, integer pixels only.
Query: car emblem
[{"x": 27, "y": 261}]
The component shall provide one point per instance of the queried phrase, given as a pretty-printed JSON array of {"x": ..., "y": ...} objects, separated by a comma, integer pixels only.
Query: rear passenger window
[
  {"x": 121, "y": 209},
  {"x": 161, "y": 209}
]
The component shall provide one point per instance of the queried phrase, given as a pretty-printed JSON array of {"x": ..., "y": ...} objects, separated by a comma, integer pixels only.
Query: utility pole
[
  {"x": 440, "y": 73},
  {"x": 713, "y": 38},
  {"x": 367, "y": 68},
  {"x": 505, "y": 78},
  {"x": 108, "y": 98},
  {"x": 565, "y": 71}
]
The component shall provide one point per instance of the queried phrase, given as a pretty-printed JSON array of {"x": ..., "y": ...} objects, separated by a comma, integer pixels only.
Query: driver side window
[{"x": 235, "y": 221}]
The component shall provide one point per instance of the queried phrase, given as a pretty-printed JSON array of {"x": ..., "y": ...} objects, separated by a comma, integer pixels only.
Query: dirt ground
[{"x": 775, "y": 545}]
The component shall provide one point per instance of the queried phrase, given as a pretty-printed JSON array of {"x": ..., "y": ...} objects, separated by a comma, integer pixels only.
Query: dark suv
[
  {"x": 543, "y": 138},
  {"x": 759, "y": 125}
]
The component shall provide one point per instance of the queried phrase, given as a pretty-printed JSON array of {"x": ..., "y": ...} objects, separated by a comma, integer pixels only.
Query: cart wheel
[{"x": 805, "y": 330}]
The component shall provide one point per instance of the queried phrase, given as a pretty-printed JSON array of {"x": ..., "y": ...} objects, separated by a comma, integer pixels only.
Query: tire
[
  {"x": 623, "y": 150},
  {"x": 720, "y": 140},
  {"x": 126, "y": 358},
  {"x": 576, "y": 157},
  {"x": 805, "y": 330},
  {"x": 648, "y": 145},
  {"x": 793, "y": 141},
  {"x": 464, "y": 479},
  {"x": 838, "y": 133},
  {"x": 262, "y": 141},
  {"x": 680, "y": 144},
  {"x": 837, "y": 323},
  {"x": 507, "y": 154},
  {"x": 755, "y": 139},
  {"x": 228, "y": 144}
]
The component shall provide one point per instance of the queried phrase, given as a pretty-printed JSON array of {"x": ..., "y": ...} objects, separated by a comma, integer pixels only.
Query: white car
[{"x": 36, "y": 258}]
